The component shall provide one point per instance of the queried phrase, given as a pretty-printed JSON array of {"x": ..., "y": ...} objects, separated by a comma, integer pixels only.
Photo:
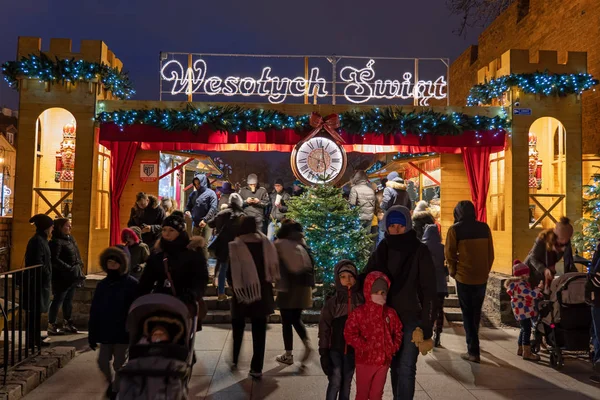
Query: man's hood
[
  {"x": 369, "y": 280},
  {"x": 432, "y": 234},
  {"x": 203, "y": 182},
  {"x": 464, "y": 211},
  {"x": 395, "y": 185}
]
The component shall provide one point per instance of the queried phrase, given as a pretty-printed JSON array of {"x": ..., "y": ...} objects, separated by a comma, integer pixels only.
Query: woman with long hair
[
  {"x": 254, "y": 266},
  {"x": 67, "y": 275},
  {"x": 148, "y": 216}
]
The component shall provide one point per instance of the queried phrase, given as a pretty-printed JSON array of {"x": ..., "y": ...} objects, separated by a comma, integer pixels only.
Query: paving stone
[{"x": 28, "y": 380}]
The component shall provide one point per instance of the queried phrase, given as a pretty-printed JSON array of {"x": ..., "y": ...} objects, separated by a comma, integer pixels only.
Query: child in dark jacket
[
  {"x": 433, "y": 240},
  {"x": 108, "y": 315},
  {"x": 522, "y": 299},
  {"x": 337, "y": 358},
  {"x": 375, "y": 332},
  {"x": 138, "y": 251}
]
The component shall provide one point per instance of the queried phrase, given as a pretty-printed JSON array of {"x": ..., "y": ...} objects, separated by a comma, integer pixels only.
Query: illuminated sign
[{"x": 359, "y": 84}]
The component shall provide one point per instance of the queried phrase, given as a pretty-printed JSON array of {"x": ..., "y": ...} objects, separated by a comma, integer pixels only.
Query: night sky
[{"x": 136, "y": 31}]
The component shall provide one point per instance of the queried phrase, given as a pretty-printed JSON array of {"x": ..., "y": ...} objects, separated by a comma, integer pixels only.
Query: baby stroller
[
  {"x": 161, "y": 349},
  {"x": 564, "y": 319}
]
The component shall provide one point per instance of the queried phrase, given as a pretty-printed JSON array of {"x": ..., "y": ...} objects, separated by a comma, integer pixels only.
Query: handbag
[{"x": 201, "y": 309}]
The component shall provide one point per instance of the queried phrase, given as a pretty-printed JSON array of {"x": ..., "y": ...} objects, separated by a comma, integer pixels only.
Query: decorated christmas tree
[
  {"x": 332, "y": 229},
  {"x": 588, "y": 236}
]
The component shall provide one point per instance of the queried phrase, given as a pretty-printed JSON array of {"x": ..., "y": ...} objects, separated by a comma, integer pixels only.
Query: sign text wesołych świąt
[{"x": 360, "y": 85}]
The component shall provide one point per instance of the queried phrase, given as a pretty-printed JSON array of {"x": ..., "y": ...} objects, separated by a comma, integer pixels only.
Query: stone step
[
  {"x": 453, "y": 314},
  {"x": 224, "y": 317},
  {"x": 451, "y": 302},
  {"x": 451, "y": 289}
]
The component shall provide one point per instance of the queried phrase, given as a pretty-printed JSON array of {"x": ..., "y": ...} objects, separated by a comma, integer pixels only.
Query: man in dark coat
[
  {"x": 279, "y": 199},
  {"x": 201, "y": 207},
  {"x": 408, "y": 263},
  {"x": 395, "y": 193},
  {"x": 37, "y": 253},
  {"x": 470, "y": 256},
  {"x": 148, "y": 215},
  {"x": 256, "y": 199}
]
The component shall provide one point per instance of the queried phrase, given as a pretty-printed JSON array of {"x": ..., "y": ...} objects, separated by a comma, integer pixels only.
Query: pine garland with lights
[
  {"x": 332, "y": 229},
  {"x": 542, "y": 83},
  {"x": 44, "y": 69},
  {"x": 233, "y": 119},
  {"x": 588, "y": 236}
]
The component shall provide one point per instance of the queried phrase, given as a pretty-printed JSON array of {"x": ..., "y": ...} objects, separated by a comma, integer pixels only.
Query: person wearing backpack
[{"x": 295, "y": 287}]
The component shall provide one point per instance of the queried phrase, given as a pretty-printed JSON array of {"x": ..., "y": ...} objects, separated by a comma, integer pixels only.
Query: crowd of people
[{"x": 376, "y": 322}]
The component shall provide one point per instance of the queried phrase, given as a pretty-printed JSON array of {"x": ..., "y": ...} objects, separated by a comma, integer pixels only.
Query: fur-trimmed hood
[
  {"x": 117, "y": 253},
  {"x": 395, "y": 185},
  {"x": 196, "y": 243},
  {"x": 421, "y": 214}
]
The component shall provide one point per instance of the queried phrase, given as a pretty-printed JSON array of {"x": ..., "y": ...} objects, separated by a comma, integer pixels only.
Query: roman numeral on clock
[
  {"x": 309, "y": 144},
  {"x": 336, "y": 160},
  {"x": 304, "y": 168}
]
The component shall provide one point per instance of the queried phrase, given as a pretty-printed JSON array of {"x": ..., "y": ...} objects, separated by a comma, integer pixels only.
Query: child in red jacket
[{"x": 375, "y": 332}]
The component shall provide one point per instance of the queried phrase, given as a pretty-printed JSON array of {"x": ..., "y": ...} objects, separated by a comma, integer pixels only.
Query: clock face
[{"x": 319, "y": 160}]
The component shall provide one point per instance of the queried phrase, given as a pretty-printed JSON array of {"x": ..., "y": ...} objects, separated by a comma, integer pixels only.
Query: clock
[{"x": 318, "y": 160}]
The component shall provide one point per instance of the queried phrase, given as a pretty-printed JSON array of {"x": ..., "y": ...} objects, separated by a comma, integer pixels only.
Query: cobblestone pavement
[{"x": 440, "y": 375}]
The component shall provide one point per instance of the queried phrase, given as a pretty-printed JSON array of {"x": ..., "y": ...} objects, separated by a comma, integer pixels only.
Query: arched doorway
[
  {"x": 547, "y": 172},
  {"x": 54, "y": 163}
]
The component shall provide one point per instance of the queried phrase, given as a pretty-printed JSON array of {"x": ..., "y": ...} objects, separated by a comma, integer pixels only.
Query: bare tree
[{"x": 476, "y": 13}]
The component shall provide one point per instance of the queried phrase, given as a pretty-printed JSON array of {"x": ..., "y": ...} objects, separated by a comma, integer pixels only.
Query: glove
[
  {"x": 417, "y": 337},
  {"x": 325, "y": 361},
  {"x": 426, "y": 346},
  {"x": 93, "y": 346}
]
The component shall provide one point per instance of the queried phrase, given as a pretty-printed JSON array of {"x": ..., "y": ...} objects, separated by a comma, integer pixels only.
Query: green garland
[
  {"x": 545, "y": 84},
  {"x": 67, "y": 70},
  {"x": 233, "y": 119}
]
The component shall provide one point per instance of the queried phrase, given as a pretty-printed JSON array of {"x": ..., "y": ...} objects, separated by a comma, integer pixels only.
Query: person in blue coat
[
  {"x": 202, "y": 206},
  {"x": 108, "y": 315}
]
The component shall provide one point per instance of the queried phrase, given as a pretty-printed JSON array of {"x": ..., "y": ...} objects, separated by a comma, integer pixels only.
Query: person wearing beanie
[
  {"x": 551, "y": 246},
  {"x": 138, "y": 251},
  {"x": 256, "y": 201},
  {"x": 38, "y": 253},
  {"x": 108, "y": 315},
  {"x": 184, "y": 259},
  {"x": 395, "y": 193},
  {"x": 421, "y": 217},
  {"x": 375, "y": 332},
  {"x": 202, "y": 206},
  {"x": 412, "y": 293},
  {"x": 470, "y": 256},
  {"x": 362, "y": 196},
  {"x": 148, "y": 215},
  {"x": 67, "y": 275},
  {"x": 279, "y": 200},
  {"x": 523, "y": 299},
  {"x": 297, "y": 188},
  {"x": 336, "y": 356},
  {"x": 225, "y": 224}
]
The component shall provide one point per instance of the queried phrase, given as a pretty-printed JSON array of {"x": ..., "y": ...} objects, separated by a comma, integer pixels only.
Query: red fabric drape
[
  {"x": 284, "y": 140},
  {"x": 477, "y": 165},
  {"x": 121, "y": 161}
]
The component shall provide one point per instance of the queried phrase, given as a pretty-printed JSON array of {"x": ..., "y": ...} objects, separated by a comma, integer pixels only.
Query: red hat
[
  {"x": 129, "y": 233},
  {"x": 520, "y": 269}
]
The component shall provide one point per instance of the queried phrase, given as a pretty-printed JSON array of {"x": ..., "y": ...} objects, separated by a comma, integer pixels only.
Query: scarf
[{"x": 244, "y": 275}]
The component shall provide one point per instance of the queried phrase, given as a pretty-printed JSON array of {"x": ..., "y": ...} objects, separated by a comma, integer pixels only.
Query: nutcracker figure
[
  {"x": 65, "y": 156},
  {"x": 535, "y": 165}
]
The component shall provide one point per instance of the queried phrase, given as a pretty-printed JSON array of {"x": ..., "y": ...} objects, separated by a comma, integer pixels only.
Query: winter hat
[
  {"x": 398, "y": 215},
  {"x": 226, "y": 188},
  {"x": 297, "y": 183},
  {"x": 127, "y": 232},
  {"x": 41, "y": 221},
  {"x": 379, "y": 284},
  {"x": 236, "y": 200},
  {"x": 252, "y": 179},
  {"x": 137, "y": 230},
  {"x": 175, "y": 221},
  {"x": 394, "y": 176},
  {"x": 520, "y": 269},
  {"x": 421, "y": 206},
  {"x": 347, "y": 267},
  {"x": 279, "y": 182}
]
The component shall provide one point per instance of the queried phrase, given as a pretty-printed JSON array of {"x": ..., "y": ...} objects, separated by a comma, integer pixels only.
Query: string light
[
  {"x": 545, "y": 84},
  {"x": 234, "y": 119},
  {"x": 44, "y": 69}
]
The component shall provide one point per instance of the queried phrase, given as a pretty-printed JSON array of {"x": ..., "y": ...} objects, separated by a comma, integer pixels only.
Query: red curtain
[
  {"x": 121, "y": 161},
  {"x": 477, "y": 165}
]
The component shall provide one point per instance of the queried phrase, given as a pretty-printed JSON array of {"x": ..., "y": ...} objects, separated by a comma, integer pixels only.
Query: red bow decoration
[{"x": 329, "y": 123}]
